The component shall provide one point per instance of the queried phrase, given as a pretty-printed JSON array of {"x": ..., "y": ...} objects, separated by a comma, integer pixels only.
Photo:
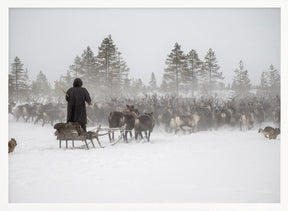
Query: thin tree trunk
[{"x": 177, "y": 84}]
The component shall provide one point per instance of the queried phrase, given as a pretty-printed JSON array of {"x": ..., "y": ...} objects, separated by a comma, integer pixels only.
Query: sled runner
[{"x": 112, "y": 130}]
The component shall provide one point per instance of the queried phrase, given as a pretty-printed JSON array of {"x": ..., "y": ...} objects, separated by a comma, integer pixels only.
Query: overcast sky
[{"x": 50, "y": 39}]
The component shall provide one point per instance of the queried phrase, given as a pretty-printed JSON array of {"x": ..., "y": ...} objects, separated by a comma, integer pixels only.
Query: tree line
[
  {"x": 188, "y": 73},
  {"x": 106, "y": 75}
]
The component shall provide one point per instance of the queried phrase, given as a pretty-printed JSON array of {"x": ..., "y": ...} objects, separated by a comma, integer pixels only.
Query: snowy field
[{"x": 224, "y": 166}]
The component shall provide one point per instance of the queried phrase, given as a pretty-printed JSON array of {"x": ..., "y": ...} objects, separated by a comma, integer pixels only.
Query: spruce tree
[
  {"x": 40, "y": 87},
  {"x": 274, "y": 79},
  {"x": 264, "y": 81},
  {"x": 111, "y": 66},
  {"x": 209, "y": 73},
  {"x": 76, "y": 68},
  {"x": 119, "y": 81},
  {"x": 88, "y": 69},
  {"x": 192, "y": 70},
  {"x": 176, "y": 64},
  {"x": 11, "y": 88},
  {"x": 241, "y": 82},
  {"x": 164, "y": 87},
  {"x": 270, "y": 81},
  {"x": 153, "y": 82},
  {"x": 19, "y": 79}
]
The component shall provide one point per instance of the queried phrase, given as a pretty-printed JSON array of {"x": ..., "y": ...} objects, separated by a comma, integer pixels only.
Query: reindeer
[
  {"x": 165, "y": 117},
  {"x": 247, "y": 119},
  {"x": 11, "y": 145},
  {"x": 128, "y": 120},
  {"x": 29, "y": 112},
  {"x": 40, "y": 112},
  {"x": 117, "y": 119},
  {"x": 18, "y": 112},
  {"x": 185, "y": 122},
  {"x": 144, "y": 123},
  {"x": 270, "y": 132}
]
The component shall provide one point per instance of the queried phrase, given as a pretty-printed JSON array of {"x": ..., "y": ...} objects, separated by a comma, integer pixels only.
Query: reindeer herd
[
  {"x": 39, "y": 113},
  {"x": 185, "y": 115}
]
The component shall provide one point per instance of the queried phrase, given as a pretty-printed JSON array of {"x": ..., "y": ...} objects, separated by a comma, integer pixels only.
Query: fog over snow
[{"x": 50, "y": 39}]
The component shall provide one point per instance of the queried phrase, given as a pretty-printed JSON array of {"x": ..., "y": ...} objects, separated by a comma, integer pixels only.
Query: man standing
[{"x": 76, "y": 98}]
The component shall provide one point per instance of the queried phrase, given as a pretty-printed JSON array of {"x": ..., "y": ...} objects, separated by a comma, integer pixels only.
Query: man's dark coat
[{"x": 76, "y": 109}]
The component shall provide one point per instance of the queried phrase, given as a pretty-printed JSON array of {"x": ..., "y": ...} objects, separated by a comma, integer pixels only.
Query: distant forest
[{"x": 106, "y": 76}]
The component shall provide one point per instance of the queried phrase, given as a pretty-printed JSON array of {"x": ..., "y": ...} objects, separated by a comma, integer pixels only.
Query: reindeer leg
[
  {"x": 148, "y": 138},
  {"x": 141, "y": 136},
  {"x": 145, "y": 134},
  {"x": 36, "y": 121},
  {"x": 109, "y": 135},
  {"x": 125, "y": 136}
]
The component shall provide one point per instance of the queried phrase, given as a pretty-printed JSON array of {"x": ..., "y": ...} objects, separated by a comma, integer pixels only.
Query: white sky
[{"x": 50, "y": 39}]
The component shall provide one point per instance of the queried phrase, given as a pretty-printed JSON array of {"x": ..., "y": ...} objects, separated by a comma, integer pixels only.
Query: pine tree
[
  {"x": 264, "y": 80},
  {"x": 176, "y": 64},
  {"x": 106, "y": 60},
  {"x": 274, "y": 79},
  {"x": 88, "y": 69},
  {"x": 153, "y": 82},
  {"x": 68, "y": 79},
  {"x": 119, "y": 81},
  {"x": 126, "y": 86},
  {"x": 76, "y": 68},
  {"x": 270, "y": 81},
  {"x": 192, "y": 70},
  {"x": 241, "y": 82},
  {"x": 164, "y": 87},
  {"x": 111, "y": 66},
  {"x": 209, "y": 73},
  {"x": 19, "y": 79},
  {"x": 11, "y": 88},
  {"x": 40, "y": 87}
]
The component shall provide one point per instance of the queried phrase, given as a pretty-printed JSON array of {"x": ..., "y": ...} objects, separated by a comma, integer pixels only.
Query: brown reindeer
[
  {"x": 144, "y": 123},
  {"x": 11, "y": 145},
  {"x": 270, "y": 132},
  {"x": 128, "y": 120},
  {"x": 118, "y": 119}
]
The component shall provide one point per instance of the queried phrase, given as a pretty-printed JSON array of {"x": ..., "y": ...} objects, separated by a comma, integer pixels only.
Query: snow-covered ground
[{"x": 210, "y": 166}]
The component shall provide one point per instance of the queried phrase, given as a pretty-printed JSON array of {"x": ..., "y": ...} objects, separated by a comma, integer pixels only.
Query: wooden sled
[{"x": 72, "y": 131}]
